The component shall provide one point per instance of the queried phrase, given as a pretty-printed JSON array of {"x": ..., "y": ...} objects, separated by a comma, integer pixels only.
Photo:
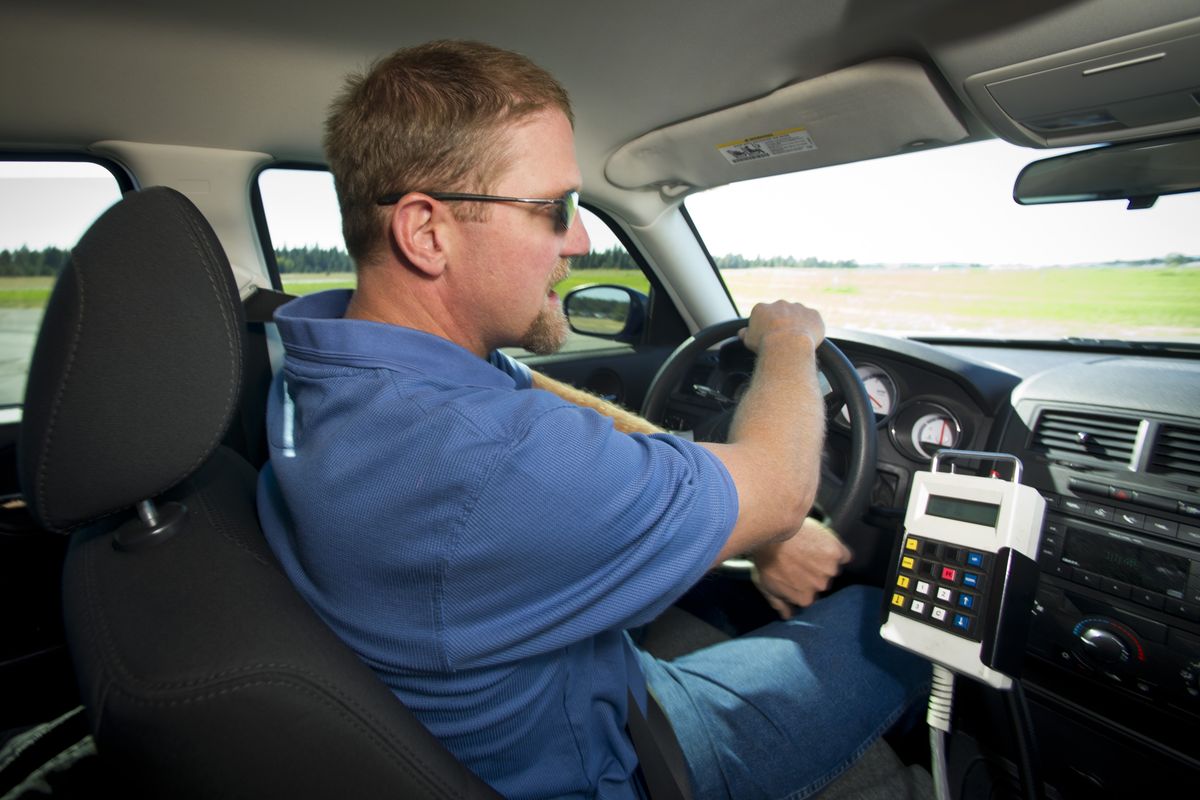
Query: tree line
[
  {"x": 313, "y": 259},
  {"x": 26, "y": 263},
  {"x": 49, "y": 261},
  {"x": 739, "y": 261}
]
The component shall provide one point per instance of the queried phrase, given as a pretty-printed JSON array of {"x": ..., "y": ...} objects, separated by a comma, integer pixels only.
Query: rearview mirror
[{"x": 1139, "y": 172}]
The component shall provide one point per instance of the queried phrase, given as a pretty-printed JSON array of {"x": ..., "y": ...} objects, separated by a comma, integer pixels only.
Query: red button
[{"x": 949, "y": 574}]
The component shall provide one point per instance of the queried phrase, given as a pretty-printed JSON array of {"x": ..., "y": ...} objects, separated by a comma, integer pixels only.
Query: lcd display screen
[
  {"x": 1126, "y": 562},
  {"x": 963, "y": 510}
]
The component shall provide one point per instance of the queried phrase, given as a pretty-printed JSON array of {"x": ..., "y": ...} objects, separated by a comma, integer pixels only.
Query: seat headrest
[{"x": 138, "y": 364}]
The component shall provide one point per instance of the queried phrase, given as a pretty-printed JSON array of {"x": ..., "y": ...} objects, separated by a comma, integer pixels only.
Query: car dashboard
[{"x": 1112, "y": 442}]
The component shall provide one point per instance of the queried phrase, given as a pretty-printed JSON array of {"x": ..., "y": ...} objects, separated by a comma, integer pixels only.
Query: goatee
[{"x": 549, "y": 329}]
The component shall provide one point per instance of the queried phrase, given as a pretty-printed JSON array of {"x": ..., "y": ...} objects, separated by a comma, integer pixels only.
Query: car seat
[{"x": 202, "y": 672}]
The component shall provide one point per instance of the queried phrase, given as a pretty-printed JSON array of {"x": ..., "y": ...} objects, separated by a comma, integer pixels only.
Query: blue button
[
  {"x": 975, "y": 559},
  {"x": 966, "y": 600},
  {"x": 962, "y": 621},
  {"x": 970, "y": 579}
]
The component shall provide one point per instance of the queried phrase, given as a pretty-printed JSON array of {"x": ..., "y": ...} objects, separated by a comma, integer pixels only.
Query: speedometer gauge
[{"x": 881, "y": 391}]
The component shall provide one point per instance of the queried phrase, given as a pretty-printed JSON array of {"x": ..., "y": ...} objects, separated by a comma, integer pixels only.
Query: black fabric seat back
[{"x": 203, "y": 673}]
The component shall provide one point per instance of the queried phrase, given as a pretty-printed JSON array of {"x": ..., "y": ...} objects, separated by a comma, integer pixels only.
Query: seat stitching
[
  {"x": 205, "y": 253},
  {"x": 49, "y": 437},
  {"x": 222, "y": 526}
]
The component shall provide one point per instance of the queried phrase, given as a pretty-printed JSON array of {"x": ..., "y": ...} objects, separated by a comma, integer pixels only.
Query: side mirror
[{"x": 607, "y": 311}]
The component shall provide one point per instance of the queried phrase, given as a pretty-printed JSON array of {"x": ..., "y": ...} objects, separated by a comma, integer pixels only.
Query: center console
[
  {"x": 1117, "y": 616},
  {"x": 1120, "y": 594}
]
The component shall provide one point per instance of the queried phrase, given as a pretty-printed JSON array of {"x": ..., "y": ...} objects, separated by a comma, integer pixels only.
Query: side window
[
  {"x": 306, "y": 232},
  {"x": 45, "y": 206}
]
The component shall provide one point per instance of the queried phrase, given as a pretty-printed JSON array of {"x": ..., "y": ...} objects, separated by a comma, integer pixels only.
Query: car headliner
[{"x": 258, "y": 76}]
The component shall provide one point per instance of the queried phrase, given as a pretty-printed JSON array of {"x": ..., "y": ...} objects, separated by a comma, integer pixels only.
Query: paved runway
[{"x": 18, "y": 331}]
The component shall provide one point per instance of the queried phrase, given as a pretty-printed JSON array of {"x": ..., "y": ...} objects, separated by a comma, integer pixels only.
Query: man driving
[{"x": 483, "y": 536}]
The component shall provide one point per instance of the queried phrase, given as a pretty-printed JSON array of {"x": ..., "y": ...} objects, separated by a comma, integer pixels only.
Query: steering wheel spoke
[{"x": 832, "y": 395}]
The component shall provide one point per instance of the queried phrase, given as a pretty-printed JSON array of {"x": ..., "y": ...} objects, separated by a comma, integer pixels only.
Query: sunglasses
[{"x": 568, "y": 204}]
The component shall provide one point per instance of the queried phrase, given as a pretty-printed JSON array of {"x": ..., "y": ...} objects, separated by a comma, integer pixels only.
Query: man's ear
[{"x": 418, "y": 231}]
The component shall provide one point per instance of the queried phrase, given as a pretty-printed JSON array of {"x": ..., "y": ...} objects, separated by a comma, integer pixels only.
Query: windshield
[{"x": 932, "y": 244}]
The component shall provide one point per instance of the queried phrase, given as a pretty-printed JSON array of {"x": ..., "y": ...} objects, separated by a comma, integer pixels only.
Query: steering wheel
[{"x": 849, "y": 503}]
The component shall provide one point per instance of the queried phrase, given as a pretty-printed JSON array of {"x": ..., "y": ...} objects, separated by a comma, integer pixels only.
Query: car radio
[{"x": 1119, "y": 598}]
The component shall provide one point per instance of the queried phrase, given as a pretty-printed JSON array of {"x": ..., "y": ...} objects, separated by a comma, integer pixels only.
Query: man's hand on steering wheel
[
  {"x": 782, "y": 318},
  {"x": 795, "y": 571}
]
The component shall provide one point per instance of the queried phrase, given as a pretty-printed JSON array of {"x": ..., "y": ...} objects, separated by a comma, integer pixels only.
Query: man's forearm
[
  {"x": 774, "y": 447},
  {"x": 783, "y": 417}
]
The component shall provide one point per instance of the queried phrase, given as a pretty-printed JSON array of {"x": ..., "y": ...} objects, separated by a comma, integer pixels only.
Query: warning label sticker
[{"x": 768, "y": 145}]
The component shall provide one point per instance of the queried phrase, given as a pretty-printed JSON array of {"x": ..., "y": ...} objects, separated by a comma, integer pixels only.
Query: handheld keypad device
[{"x": 960, "y": 592}]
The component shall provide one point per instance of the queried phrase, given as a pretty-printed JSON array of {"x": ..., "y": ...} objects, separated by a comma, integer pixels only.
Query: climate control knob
[{"x": 1103, "y": 647}]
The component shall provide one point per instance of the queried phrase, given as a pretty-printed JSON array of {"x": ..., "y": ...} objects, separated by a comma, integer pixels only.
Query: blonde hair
[{"x": 427, "y": 118}]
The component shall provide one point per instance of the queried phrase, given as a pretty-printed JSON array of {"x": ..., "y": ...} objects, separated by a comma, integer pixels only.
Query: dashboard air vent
[
  {"x": 1177, "y": 452},
  {"x": 1076, "y": 433}
]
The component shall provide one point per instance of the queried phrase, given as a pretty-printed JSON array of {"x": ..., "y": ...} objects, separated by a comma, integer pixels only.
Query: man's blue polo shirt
[{"x": 480, "y": 544}]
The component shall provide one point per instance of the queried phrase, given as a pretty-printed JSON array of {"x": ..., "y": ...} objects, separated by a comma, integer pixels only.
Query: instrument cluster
[{"x": 917, "y": 426}]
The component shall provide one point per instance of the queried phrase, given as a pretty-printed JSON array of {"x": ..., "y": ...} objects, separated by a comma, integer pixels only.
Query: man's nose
[{"x": 577, "y": 243}]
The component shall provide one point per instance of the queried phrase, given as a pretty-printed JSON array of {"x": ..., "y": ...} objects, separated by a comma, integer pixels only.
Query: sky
[
  {"x": 51, "y": 204},
  {"x": 916, "y": 208}
]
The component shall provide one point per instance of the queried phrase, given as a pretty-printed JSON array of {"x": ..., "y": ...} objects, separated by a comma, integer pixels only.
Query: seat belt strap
[
  {"x": 247, "y": 430},
  {"x": 261, "y": 304},
  {"x": 663, "y": 766}
]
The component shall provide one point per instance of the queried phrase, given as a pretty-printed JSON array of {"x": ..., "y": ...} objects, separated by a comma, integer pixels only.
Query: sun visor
[{"x": 869, "y": 110}]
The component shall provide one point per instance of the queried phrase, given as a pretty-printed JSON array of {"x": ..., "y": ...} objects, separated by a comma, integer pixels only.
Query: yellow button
[
  {"x": 907, "y": 562},
  {"x": 898, "y": 600},
  {"x": 903, "y": 581},
  {"x": 910, "y": 544}
]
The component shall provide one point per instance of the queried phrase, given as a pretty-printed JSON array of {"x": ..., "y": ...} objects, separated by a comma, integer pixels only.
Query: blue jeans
[{"x": 782, "y": 711}]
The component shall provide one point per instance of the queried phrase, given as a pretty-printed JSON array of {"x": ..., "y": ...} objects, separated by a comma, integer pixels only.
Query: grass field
[
  {"x": 1053, "y": 302},
  {"x": 24, "y": 292},
  {"x": 622, "y": 277},
  {"x": 308, "y": 284},
  {"x": 1143, "y": 303}
]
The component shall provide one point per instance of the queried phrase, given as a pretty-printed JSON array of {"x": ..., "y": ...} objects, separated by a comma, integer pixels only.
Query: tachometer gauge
[
  {"x": 881, "y": 391},
  {"x": 920, "y": 428},
  {"x": 934, "y": 431}
]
